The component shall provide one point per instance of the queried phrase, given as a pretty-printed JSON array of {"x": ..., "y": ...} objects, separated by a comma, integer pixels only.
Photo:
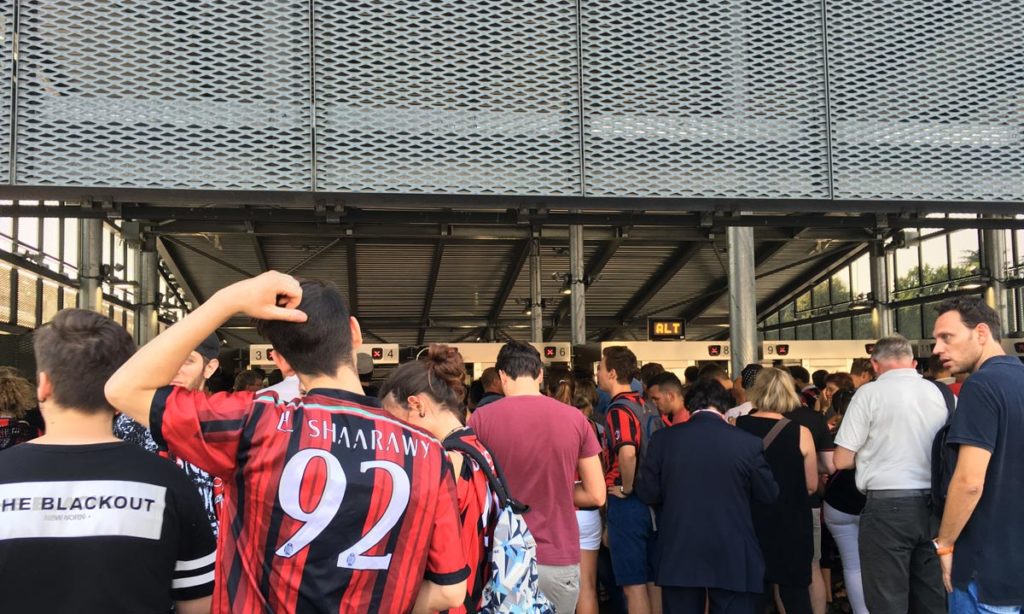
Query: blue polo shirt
[{"x": 990, "y": 415}]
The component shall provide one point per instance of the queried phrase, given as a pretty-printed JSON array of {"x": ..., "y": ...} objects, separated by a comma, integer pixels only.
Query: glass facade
[
  {"x": 39, "y": 273},
  {"x": 926, "y": 263}
]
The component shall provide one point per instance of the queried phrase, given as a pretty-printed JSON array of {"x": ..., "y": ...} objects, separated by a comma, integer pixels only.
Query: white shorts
[{"x": 590, "y": 529}]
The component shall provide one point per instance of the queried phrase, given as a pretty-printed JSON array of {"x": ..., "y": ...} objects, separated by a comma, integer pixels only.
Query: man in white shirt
[{"x": 887, "y": 434}]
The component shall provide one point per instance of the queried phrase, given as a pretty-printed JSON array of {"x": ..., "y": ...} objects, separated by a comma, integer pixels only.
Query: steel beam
[
  {"x": 597, "y": 263},
  {"x": 147, "y": 269},
  {"x": 536, "y": 301},
  {"x": 720, "y": 287},
  {"x": 993, "y": 253},
  {"x": 184, "y": 282},
  {"x": 882, "y": 322},
  {"x": 826, "y": 267},
  {"x": 742, "y": 299},
  {"x": 577, "y": 285},
  {"x": 511, "y": 277},
  {"x": 90, "y": 260},
  {"x": 261, "y": 256},
  {"x": 307, "y": 199},
  {"x": 654, "y": 284},
  {"x": 211, "y": 257},
  {"x": 428, "y": 298}
]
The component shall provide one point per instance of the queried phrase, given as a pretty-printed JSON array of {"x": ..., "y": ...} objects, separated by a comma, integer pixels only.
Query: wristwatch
[{"x": 939, "y": 550}]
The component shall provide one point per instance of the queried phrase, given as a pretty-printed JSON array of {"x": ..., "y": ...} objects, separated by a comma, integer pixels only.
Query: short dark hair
[
  {"x": 649, "y": 371},
  {"x": 691, "y": 374},
  {"x": 841, "y": 400},
  {"x": 516, "y": 359},
  {"x": 79, "y": 350},
  {"x": 667, "y": 381},
  {"x": 935, "y": 364},
  {"x": 800, "y": 374},
  {"x": 818, "y": 378},
  {"x": 973, "y": 311},
  {"x": 247, "y": 378},
  {"x": 489, "y": 377},
  {"x": 321, "y": 344},
  {"x": 713, "y": 371},
  {"x": 622, "y": 360},
  {"x": 708, "y": 393},
  {"x": 861, "y": 366}
]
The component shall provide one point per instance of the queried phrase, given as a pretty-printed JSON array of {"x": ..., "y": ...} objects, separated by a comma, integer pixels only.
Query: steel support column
[
  {"x": 90, "y": 246},
  {"x": 994, "y": 260},
  {"x": 578, "y": 285},
  {"x": 149, "y": 283},
  {"x": 882, "y": 324},
  {"x": 742, "y": 298},
  {"x": 536, "y": 302}
]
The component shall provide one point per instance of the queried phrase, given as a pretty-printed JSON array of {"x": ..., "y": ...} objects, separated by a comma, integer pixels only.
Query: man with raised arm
[{"x": 331, "y": 504}]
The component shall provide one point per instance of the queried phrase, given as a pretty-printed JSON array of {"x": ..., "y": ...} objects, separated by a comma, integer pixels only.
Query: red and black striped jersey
[
  {"x": 330, "y": 503},
  {"x": 622, "y": 427},
  {"x": 478, "y": 512}
]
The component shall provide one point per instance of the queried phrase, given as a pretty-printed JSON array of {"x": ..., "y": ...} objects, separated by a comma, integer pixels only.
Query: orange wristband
[{"x": 940, "y": 550}]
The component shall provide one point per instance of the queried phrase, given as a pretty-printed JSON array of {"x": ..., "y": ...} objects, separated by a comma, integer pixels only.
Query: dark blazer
[{"x": 701, "y": 477}]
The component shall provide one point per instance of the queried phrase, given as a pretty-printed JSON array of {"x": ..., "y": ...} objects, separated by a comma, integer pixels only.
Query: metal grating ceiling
[
  {"x": 925, "y": 99},
  {"x": 165, "y": 95},
  {"x": 711, "y": 99},
  {"x": 435, "y": 96},
  {"x": 393, "y": 280},
  {"x": 6, "y": 77}
]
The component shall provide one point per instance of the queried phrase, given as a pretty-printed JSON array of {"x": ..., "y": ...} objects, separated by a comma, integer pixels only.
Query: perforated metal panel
[
  {"x": 165, "y": 94},
  {"x": 6, "y": 80},
  {"x": 714, "y": 98},
  {"x": 926, "y": 99},
  {"x": 447, "y": 97}
]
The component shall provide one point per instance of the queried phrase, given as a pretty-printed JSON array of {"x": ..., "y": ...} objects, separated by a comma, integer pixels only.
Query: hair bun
[{"x": 445, "y": 363}]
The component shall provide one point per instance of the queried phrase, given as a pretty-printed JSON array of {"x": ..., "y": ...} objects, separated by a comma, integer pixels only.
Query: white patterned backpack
[{"x": 513, "y": 585}]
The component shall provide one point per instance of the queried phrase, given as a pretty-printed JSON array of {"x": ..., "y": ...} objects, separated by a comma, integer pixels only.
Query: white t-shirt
[
  {"x": 739, "y": 410},
  {"x": 890, "y": 424},
  {"x": 287, "y": 389}
]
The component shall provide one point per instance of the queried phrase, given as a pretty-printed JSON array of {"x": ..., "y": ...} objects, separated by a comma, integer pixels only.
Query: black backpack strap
[
  {"x": 497, "y": 480},
  {"x": 947, "y": 396}
]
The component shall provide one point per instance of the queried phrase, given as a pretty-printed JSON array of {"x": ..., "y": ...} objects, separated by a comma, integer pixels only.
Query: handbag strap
[{"x": 769, "y": 439}]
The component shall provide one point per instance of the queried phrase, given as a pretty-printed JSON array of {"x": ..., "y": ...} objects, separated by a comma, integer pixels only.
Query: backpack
[
  {"x": 514, "y": 583},
  {"x": 943, "y": 457},
  {"x": 650, "y": 422}
]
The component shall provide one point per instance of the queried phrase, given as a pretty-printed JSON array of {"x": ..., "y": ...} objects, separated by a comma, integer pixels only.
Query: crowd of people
[{"x": 642, "y": 492}]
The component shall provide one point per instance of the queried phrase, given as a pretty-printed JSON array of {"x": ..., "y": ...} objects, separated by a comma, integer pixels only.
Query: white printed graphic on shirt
[{"x": 89, "y": 508}]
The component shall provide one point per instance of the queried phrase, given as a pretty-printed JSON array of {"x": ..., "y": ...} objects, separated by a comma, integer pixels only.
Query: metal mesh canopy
[
  {"x": 6, "y": 74},
  {"x": 707, "y": 99},
  {"x": 926, "y": 99},
  {"x": 445, "y": 96},
  {"x": 794, "y": 99},
  {"x": 165, "y": 94}
]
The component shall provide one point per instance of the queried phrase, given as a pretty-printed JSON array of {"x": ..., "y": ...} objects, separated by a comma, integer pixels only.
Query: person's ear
[
  {"x": 357, "y": 337},
  {"x": 983, "y": 332},
  {"x": 211, "y": 368},
  {"x": 282, "y": 364},
  {"x": 44, "y": 390},
  {"x": 416, "y": 405}
]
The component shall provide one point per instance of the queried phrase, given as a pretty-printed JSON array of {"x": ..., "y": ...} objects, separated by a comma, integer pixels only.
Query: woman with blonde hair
[
  {"x": 16, "y": 398},
  {"x": 784, "y": 528}
]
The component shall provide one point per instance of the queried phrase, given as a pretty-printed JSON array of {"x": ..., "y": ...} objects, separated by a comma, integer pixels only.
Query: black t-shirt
[
  {"x": 99, "y": 528},
  {"x": 990, "y": 416},
  {"x": 818, "y": 426}
]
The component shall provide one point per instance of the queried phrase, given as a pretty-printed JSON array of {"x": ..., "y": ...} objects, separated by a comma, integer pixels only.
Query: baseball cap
[{"x": 210, "y": 347}]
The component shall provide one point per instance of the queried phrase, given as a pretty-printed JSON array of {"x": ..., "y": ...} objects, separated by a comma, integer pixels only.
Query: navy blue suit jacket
[{"x": 701, "y": 477}]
